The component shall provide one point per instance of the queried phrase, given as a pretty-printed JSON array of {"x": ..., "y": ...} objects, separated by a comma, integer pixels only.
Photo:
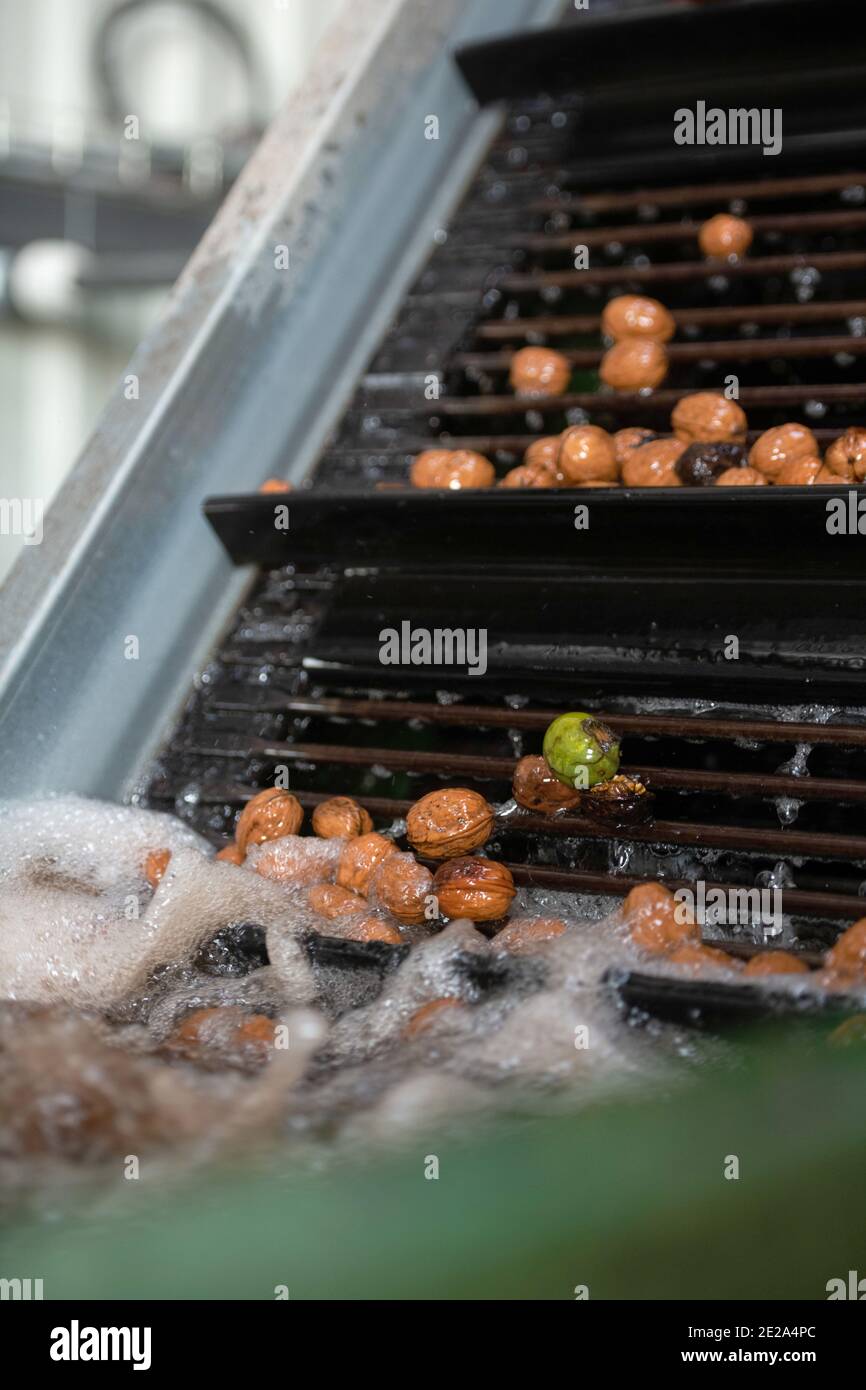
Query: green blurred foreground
[{"x": 627, "y": 1198}]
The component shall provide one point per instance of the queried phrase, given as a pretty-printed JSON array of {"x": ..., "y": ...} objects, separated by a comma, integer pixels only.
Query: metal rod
[
  {"x": 683, "y": 270},
  {"x": 632, "y": 400},
  {"x": 818, "y": 844},
  {"x": 648, "y": 232},
  {"x": 665, "y": 725},
  {"x": 552, "y": 325},
  {"x": 808, "y": 185},
  {"x": 725, "y": 350}
]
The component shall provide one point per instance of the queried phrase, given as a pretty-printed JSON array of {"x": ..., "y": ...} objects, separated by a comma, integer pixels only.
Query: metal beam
[{"x": 244, "y": 376}]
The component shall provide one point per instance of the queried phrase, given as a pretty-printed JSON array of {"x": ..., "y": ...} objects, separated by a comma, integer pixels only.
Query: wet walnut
[
  {"x": 424, "y": 1018},
  {"x": 330, "y": 900},
  {"x": 526, "y": 934},
  {"x": 530, "y": 475},
  {"x": 780, "y": 445},
  {"x": 637, "y": 316},
  {"x": 360, "y": 858},
  {"x": 725, "y": 236},
  {"x": 544, "y": 451},
  {"x": 231, "y": 854},
  {"x": 155, "y": 865},
  {"x": 536, "y": 788},
  {"x": 803, "y": 472},
  {"x": 741, "y": 477},
  {"x": 618, "y": 802},
  {"x": 539, "y": 372},
  {"x": 586, "y": 455},
  {"x": 476, "y": 888},
  {"x": 626, "y": 441},
  {"x": 653, "y": 465},
  {"x": 656, "y": 922},
  {"x": 448, "y": 823},
  {"x": 403, "y": 887},
  {"x": 341, "y": 818},
  {"x": 224, "y": 1036},
  {"x": 452, "y": 469},
  {"x": 275, "y": 485},
  {"x": 269, "y": 815},
  {"x": 775, "y": 963},
  {"x": 696, "y": 958},
  {"x": 371, "y": 928},
  {"x": 847, "y": 959},
  {"x": 429, "y": 468},
  {"x": 847, "y": 454},
  {"x": 705, "y": 417},
  {"x": 701, "y": 464},
  {"x": 634, "y": 364}
]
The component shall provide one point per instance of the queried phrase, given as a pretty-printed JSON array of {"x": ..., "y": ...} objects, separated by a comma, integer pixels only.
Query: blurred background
[{"x": 122, "y": 123}]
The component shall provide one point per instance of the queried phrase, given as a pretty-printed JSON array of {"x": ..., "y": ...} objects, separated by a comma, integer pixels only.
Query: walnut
[
  {"x": 402, "y": 886},
  {"x": 700, "y": 464},
  {"x": 634, "y": 364},
  {"x": 476, "y": 888},
  {"x": 625, "y": 441},
  {"x": 726, "y": 236},
  {"x": 359, "y": 859},
  {"x": 429, "y": 468},
  {"x": 696, "y": 958},
  {"x": 780, "y": 445},
  {"x": 275, "y": 485},
  {"x": 341, "y": 816},
  {"x": 231, "y": 854},
  {"x": 224, "y": 1036},
  {"x": 802, "y": 472},
  {"x": 371, "y": 928},
  {"x": 450, "y": 822},
  {"x": 586, "y": 453},
  {"x": 530, "y": 475},
  {"x": 652, "y": 915},
  {"x": 620, "y": 801},
  {"x": 525, "y": 934},
  {"x": 775, "y": 963},
  {"x": 705, "y": 417},
  {"x": 741, "y": 477},
  {"x": 330, "y": 900},
  {"x": 848, "y": 957},
  {"x": 847, "y": 454},
  {"x": 452, "y": 469},
  {"x": 155, "y": 865},
  {"x": 653, "y": 465},
  {"x": 423, "y": 1018},
  {"x": 544, "y": 451},
  {"x": 637, "y": 316},
  {"x": 537, "y": 789},
  {"x": 539, "y": 372},
  {"x": 269, "y": 815}
]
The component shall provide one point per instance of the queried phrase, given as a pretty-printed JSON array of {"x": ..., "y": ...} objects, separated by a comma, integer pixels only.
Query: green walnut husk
[{"x": 581, "y": 751}]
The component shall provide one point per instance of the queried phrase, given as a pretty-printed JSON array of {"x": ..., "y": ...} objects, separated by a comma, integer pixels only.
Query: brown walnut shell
[
  {"x": 479, "y": 889},
  {"x": 341, "y": 817},
  {"x": 360, "y": 858},
  {"x": 269, "y": 815},
  {"x": 448, "y": 823}
]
